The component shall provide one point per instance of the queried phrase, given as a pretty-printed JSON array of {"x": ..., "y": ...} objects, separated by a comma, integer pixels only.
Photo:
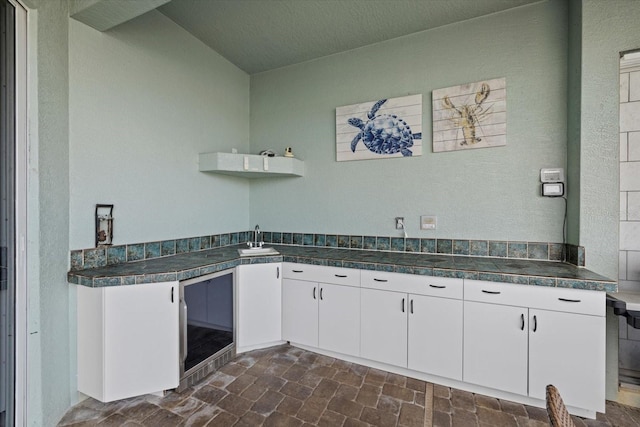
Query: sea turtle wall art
[
  {"x": 379, "y": 129},
  {"x": 473, "y": 115}
]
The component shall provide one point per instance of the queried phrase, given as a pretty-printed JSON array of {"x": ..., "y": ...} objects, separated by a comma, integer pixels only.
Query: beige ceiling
[{"x": 261, "y": 35}]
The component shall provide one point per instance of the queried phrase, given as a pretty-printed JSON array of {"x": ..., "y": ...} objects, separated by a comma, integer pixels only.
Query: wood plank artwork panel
[
  {"x": 469, "y": 116},
  {"x": 406, "y": 108}
]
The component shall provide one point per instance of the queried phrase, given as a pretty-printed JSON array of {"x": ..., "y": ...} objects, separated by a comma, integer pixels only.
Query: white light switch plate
[{"x": 428, "y": 222}]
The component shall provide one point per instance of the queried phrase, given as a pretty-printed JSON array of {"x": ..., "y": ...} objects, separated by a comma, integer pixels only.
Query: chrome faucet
[{"x": 256, "y": 236}]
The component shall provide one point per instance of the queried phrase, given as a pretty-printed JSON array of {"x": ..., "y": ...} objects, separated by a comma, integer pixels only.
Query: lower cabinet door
[
  {"x": 435, "y": 336},
  {"x": 258, "y": 300},
  {"x": 339, "y": 319},
  {"x": 141, "y": 338},
  {"x": 568, "y": 351},
  {"x": 300, "y": 312},
  {"x": 383, "y": 326},
  {"x": 495, "y": 346}
]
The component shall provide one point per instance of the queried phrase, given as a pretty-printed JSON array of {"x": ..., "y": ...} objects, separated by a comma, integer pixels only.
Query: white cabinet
[
  {"x": 417, "y": 318},
  {"x": 321, "y": 307},
  {"x": 127, "y": 340},
  {"x": 435, "y": 336},
  {"x": 568, "y": 351},
  {"x": 383, "y": 335},
  {"x": 495, "y": 346},
  {"x": 258, "y": 306},
  {"x": 521, "y": 338},
  {"x": 300, "y": 312}
]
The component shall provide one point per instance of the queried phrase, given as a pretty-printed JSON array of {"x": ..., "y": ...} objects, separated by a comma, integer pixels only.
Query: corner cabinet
[
  {"x": 128, "y": 340},
  {"x": 250, "y": 165}
]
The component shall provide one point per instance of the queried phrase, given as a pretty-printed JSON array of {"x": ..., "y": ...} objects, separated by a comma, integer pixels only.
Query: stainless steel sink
[{"x": 257, "y": 251}]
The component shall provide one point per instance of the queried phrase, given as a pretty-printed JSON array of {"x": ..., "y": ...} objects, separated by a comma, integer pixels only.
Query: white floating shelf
[{"x": 250, "y": 165}]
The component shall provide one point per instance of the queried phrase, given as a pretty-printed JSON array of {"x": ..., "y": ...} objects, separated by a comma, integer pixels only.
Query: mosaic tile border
[{"x": 541, "y": 251}]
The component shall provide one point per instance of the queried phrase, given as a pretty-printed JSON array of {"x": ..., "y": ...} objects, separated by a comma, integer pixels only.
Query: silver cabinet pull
[
  {"x": 298, "y": 271},
  {"x": 314, "y": 292},
  {"x": 490, "y": 292},
  {"x": 403, "y": 305},
  {"x": 535, "y": 323},
  {"x": 437, "y": 286},
  {"x": 411, "y": 309},
  {"x": 380, "y": 280},
  {"x": 522, "y": 322},
  {"x": 277, "y": 272},
  {"x": 321, "y": 289},
  {"x": 341, "y": 275}
]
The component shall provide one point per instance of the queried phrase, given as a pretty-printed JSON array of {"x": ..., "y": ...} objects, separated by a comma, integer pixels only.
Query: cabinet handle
[
  {"x": 437, "y": 286},
  {"x": 380, "y": 280},
  {"x": 491, "y": 292},
  {"x": 569, "y": 300},
  {"x": 298, "y": 271},
  {"x": 341, "y": 275},
  {"x": 403, "y": 305},
  {"x": 172, "y": 294},
  {"x": 321, "y": 289},
  {"x": 411, "y": 307},
  {"x": 277, "y": 272},
  {"x": 522, "y": 322},
  {"x": 314, "y": 292},
  {"x": 535, "y": 323}
]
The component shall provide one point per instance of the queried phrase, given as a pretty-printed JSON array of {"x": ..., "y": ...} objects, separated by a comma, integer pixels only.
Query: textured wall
[
  {"x": 608, "y": 28},
  {"x": 51, "y": 378},
  {"x": 146, "y": 98},
  {"x": 476, "y": 194}
]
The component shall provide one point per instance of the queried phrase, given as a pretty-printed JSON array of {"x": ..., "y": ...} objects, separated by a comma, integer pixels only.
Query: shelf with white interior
[{"x": 250, "y": 165}]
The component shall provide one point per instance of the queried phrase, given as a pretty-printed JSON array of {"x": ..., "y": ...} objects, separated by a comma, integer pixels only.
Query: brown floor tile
[
  {"x": 163, "y": 418},
  {"x": 389, "y": 404},
  {"x": 251, "y": 419},
  {"x": 287, "y": 386},
  {"x": 398, "y": 392},
  {"x": 347, "y": 392},
  {"x": 202, "y": 416},
  {"x": 368, "y": 395},
  {"x": 139, "y": 410},
  {"x": 223, "y": 419},
  {"x": 289, "y": 406},
  {"x": 331, "y": 419},
  {"x": 411, "y": 415},
  {"x": 276, "y": 419},
  {"x": 210, "y": 395},
  {"x": 348, "y": 408},
  {"x": 268, "y": 402}
]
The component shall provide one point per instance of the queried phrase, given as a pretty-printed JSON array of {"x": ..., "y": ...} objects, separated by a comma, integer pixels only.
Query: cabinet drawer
[
  {"x": 412, "y": 283},
  {"x": 557, "y": 299},
  {"x": 321, "y": 274}
]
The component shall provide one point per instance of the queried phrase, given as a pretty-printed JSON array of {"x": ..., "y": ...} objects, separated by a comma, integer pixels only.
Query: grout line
[{"x": 428, "y": 405}]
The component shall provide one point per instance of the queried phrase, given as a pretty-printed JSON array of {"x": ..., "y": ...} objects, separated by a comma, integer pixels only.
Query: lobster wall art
[{"x": 473, "y": 115}]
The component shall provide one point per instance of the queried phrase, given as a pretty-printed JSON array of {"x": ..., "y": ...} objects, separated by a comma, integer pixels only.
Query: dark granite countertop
[{"x": 194, "y": 264}]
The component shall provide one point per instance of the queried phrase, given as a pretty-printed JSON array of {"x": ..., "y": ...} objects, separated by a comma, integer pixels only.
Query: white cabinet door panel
[
  {"x": 383, "y": 328},
  {"x": 140, "y": 339},
  {"x": 435, "y": 336},
  {"x": 300, "y": 312},
  {"x": 495, "y": 346},
  {"x": 568, "y": 351},
  {"x": 258, "y": 302},
  {"x": 339, "y": 319}
]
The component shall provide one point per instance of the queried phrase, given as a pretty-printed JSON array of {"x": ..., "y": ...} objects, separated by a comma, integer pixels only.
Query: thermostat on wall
[{"x": 552, "y": 175}]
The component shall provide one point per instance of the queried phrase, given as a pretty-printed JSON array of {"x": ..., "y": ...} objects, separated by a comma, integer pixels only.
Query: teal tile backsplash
[{"x": 112, "y": 255}]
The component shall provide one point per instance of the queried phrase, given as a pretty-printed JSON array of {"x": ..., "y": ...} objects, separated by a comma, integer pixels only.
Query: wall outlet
[
  {"x": 399, "y": 223},
  {"x": 428, "y": 222}
]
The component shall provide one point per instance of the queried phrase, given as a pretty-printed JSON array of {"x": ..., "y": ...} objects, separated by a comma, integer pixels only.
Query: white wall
[
  {"x": 144, "y": 99},
  {"x": 490, "y": 193}
]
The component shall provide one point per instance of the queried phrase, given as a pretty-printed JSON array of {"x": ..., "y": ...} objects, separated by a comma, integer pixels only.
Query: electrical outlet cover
[{"x": 428, "y": 222}]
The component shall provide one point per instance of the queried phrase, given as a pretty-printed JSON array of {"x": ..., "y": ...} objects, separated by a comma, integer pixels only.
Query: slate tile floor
[{"x": 287, "y": 386}]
